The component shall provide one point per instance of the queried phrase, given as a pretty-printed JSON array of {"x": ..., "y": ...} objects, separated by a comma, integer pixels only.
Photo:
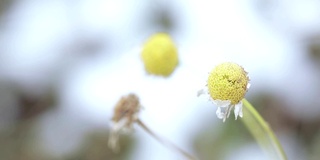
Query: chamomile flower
[
  {"x": 124, "y": 116},
  {"x": 227, "y": 85},
  {"x": 159, "y": 55}
]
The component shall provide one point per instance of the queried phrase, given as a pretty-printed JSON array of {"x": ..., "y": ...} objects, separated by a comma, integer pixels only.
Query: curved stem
[
  {"x": 262, "y": 132},
  {"x": 165, "y": 142}
]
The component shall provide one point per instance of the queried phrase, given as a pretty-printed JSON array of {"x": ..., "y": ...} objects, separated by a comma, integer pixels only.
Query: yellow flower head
[
  {"x": 228, "y": 81},
  {"x": 227, "y": 85},
  {"x": 159, "y": 55}
]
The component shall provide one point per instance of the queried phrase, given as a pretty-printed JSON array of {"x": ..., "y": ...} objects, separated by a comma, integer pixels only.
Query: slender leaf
[{"x": 262, "y": 132}]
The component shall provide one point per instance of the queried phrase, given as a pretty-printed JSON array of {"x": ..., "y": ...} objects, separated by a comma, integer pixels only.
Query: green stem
[{"x": 262, "y": 132}]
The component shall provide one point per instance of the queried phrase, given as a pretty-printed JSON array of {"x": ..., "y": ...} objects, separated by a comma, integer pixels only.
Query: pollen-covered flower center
[{"x": 228, "y": 81}]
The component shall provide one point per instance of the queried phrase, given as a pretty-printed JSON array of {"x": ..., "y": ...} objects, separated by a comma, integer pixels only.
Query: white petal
[
  {"x": 117, "y": 126},
  {"x": 223, "y": 113},
  {"x": 238, "y": 110},
  {"x": 201, "y": 92},
  {"x": 114, "y": 133},
  {"x": 113, "y": 141},
  {"x": 222, "y": 103},
  {"x": 229, "y": 110},
  {"x": 248, "y": 86},
  {"x": 220, "y": 114}
]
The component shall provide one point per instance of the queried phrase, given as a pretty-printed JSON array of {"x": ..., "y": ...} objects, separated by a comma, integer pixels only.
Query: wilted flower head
[
  {"x": 227, "y": 85},
  {"x": 159, "y": 55},
  {"x": 125, "y": 114}
]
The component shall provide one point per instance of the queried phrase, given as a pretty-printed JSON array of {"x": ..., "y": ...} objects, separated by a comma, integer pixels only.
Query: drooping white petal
[
  {"x": 113, "y": 141},
  {"x": 248, "y": 86},
  {"x": 222, "y": 103},
  {"x": 238, "y": 110},
  {"x": 220, "y": 114},
  {"x": 224, "y": 107},
  {"x": 201, "y": 92},
  {"x": 229, "y": 110},
  {"x": 117, "y": 126},
  {"x": 224, "y": 112},
  {"x": 114, "y": 133}
]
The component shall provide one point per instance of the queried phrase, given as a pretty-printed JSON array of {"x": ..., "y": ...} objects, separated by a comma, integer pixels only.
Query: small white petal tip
[
  {"x": 201, "y": 92},
  {"x": 238, "y": 110}
]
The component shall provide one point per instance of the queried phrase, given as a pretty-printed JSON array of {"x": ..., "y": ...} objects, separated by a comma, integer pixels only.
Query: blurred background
[{"x": 64, "y": 64}]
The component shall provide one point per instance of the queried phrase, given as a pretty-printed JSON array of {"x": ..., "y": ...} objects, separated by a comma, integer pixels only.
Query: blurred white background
[{"x": 88, "y": 54}]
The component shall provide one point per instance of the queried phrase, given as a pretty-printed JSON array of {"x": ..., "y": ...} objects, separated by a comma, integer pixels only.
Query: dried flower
[{"x": 125, "y": 114}]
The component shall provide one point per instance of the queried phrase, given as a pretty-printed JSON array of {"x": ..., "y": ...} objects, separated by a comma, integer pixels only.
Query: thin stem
[
  {"x": 262, "y": 132},
  {"x": 165, "y": 142}
]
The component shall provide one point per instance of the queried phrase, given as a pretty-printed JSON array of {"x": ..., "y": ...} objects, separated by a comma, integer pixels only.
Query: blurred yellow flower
[{"x": 159, "y": 55}]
